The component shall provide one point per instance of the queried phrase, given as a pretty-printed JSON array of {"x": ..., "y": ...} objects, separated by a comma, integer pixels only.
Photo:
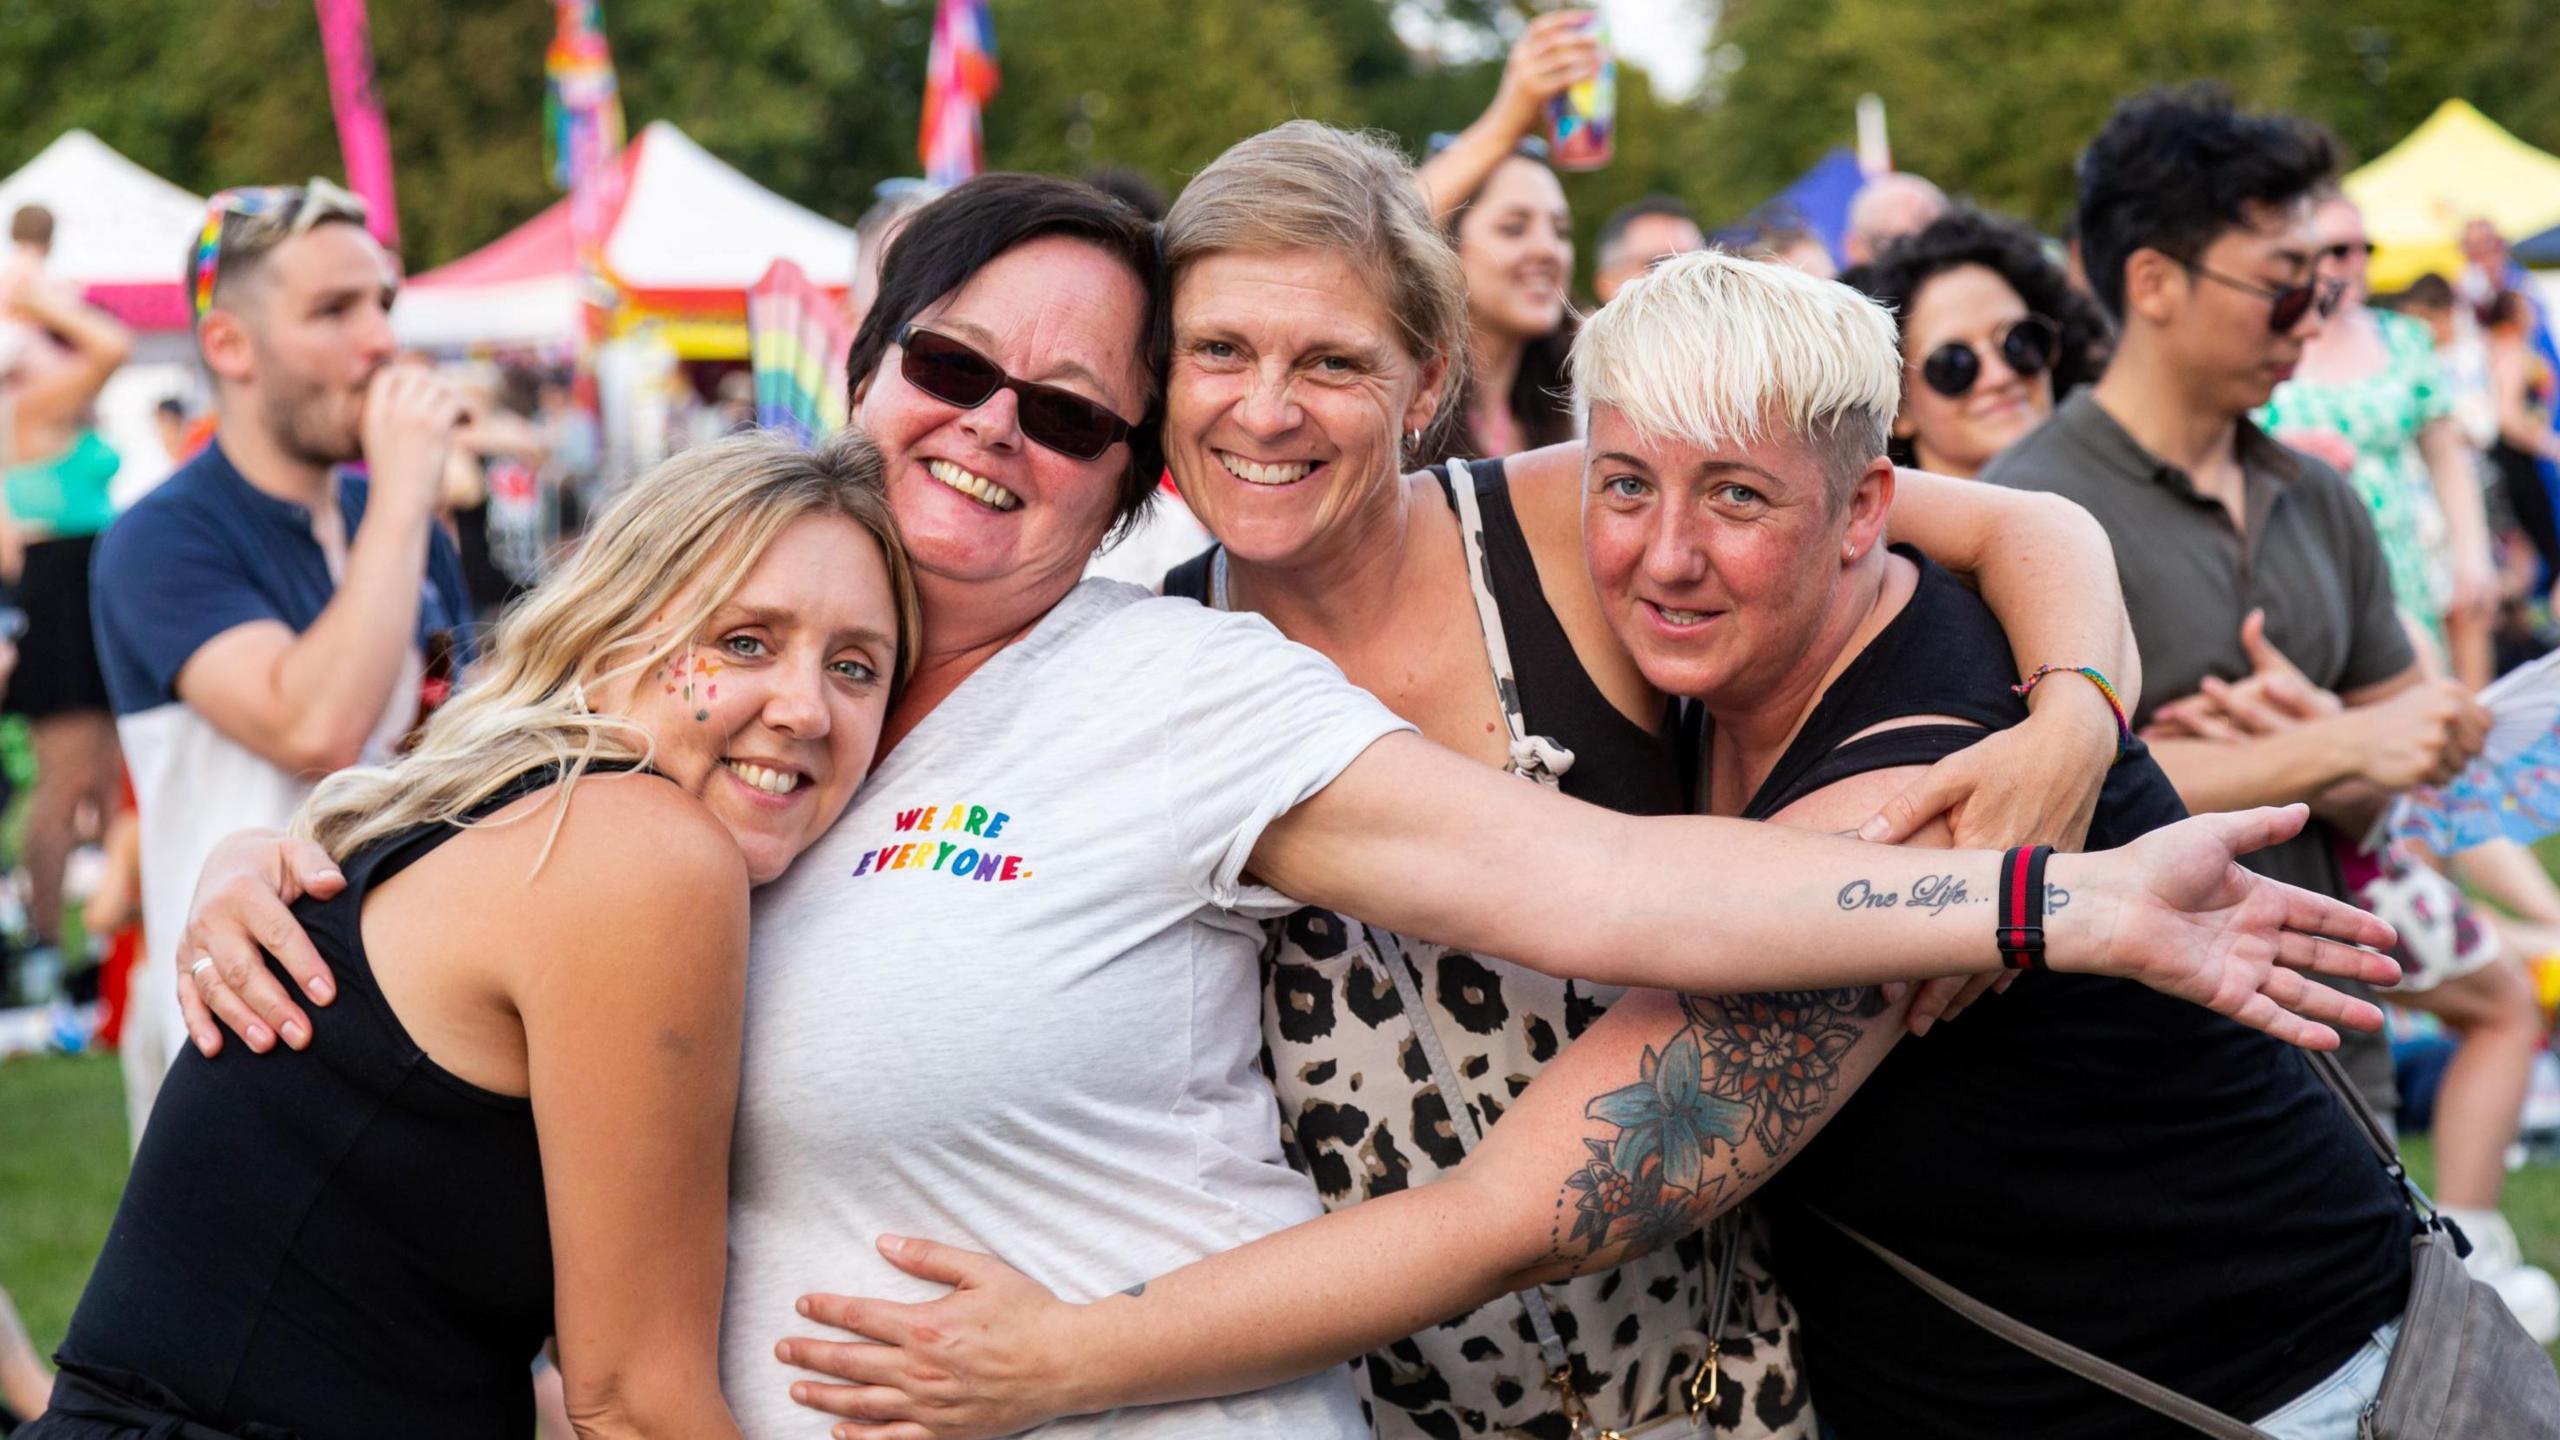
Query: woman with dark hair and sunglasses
[
  {"x": 1993, "y": 334},
  {"x": 1013, "y": 1000}
]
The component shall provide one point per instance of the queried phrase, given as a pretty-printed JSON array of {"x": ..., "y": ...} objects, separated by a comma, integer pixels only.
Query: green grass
[{"x": 62, "y": 1164}]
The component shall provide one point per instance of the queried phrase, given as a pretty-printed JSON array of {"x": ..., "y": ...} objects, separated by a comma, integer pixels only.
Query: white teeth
[
  {"x": 771, "y": 782},
  {"x": 1681, "y": 617},
  {"x": 1254, "y": 473},
  {"x": 976, "y": 487}
]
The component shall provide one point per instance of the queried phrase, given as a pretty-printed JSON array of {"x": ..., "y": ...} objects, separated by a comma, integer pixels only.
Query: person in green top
[
  {"x": 54, "y": 472},
  {"x": 2368, "y": 398}
]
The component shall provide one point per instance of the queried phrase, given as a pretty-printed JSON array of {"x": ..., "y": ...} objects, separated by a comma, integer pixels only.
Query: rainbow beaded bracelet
[{"x": 2115, "y": 702}]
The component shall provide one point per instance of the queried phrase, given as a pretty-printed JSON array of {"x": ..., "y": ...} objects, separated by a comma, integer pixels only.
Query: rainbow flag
[
  {"x": 582, "y": 100},
  {"x": 960, "y": 77},
  {"x": 797, "y": 340}
]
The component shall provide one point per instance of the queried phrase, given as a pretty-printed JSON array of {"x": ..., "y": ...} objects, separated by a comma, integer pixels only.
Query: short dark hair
[
  {"x": 1614, "y": 229},
  {"x": 2009, "y": 249},
  {"x": 2175, "y": 169},
  {"x": 961, "y": 232},
  {"x": 171, "y": 406},
  {"x": 31, "y": 225}
]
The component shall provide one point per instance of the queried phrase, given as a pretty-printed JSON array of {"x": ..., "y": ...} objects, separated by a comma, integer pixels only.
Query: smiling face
[
  {"x": 976, "y": 500},
  {"x": 1289, "y": 399},
  {"x": 771, "y": 714},
  {"x": 1958, "y": 435},
  {"x": 1718, "y": 566},
  {"x": 1516, "y": 245}
]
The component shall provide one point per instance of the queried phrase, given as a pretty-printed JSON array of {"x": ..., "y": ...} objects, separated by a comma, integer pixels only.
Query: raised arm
[
  {"x": 1426, "y": 843},
  {"x": 1554, "y": 54},
  {"x": 631, "y": 990},
  {"x": 99, "y": 344},
  {"x": 1649, "y": 1125},
  {"x": 2047, "y": 570},
  {"x": 307, "y": 702}
]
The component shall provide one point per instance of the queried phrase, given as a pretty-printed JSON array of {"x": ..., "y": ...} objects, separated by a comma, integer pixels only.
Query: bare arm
[
  {"x": 2048, "y": 571},
  {"x": 1424, "y": 842},
  {"x": 307, "y": 702},
  {"x": 2518, "y": 425},
  {"x": 99, "y": 344},
  {"x": 1644, "y": 1129},
  {"x": 1551, "y": 56},
  {"x": 2466, "y": 513},
  {"x": 631, "y": 997}
]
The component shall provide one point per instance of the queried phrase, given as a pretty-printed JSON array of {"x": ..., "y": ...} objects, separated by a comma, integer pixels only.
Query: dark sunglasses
[
  {"x": 2029, "y": 349},
  {"x": 957, "y": 375},
  {"x": 2346, "y": 250},
  {"x": 2287, "y": 306}
]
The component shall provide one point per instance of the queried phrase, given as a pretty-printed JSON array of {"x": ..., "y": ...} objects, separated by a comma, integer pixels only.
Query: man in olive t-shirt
[{"x": 2195, "y": 223}]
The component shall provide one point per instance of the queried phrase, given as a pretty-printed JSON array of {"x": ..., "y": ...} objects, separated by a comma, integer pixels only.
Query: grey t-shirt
[
  {"x": 1012, "y": 1001},
  {"x": 2307, "y": 556}
]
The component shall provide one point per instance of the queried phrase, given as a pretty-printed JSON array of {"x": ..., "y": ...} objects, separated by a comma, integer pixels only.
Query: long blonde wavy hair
[{"x": 703, "y": 518}]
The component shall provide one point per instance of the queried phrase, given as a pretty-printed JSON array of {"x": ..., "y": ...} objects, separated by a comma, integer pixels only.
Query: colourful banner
[
  {"x": 363, "y": 136},
  {"x": 583, "y": 110},
  {"x": 799, "y": 343},
  {"x": 960, "y": 77}
]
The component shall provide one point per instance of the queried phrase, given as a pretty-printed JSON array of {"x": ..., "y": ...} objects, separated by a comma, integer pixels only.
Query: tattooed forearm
[
  {"x": 1935, "y": 894},
  {"x": 1739, "y": 1084}
]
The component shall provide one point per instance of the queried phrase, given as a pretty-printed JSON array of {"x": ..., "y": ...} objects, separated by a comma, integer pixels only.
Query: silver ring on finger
[{"x": 196, "y": 972}]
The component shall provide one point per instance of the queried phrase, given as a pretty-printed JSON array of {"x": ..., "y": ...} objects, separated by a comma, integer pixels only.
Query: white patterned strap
[{"x": 1536, "y": 756}]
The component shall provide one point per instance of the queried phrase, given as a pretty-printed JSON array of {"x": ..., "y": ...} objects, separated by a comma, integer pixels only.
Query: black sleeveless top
[
  {"x": 345, "y": 1241},
  {"x": 2126, "y": 1171},
  {"x": 1616, "y": 762}
]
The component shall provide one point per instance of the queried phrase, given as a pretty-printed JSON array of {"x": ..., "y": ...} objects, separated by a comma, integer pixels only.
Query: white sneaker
[
  {"x": 2534, "y": 1297},
  {"x": 2497, "y": 1260}
]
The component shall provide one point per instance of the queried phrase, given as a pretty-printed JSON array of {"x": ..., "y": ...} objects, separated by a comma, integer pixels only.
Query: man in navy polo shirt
[{"x": 262, "y": 618}]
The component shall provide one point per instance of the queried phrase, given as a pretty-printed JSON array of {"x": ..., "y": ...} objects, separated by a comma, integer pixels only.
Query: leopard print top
[{"x": 1362, "y": 1116}]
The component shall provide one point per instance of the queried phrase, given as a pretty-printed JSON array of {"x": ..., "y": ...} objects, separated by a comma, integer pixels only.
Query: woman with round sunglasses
[
  {"x": 2368, "y": 397},
  {"x": 1011, "y": 999},
  {"x": 1993, "y": 335}
]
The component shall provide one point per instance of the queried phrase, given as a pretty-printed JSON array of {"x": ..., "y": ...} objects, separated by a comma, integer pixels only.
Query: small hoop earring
[{"x": 1413, "y": 439}]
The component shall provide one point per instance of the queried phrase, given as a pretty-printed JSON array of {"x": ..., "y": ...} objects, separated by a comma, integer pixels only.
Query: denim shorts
[{"x": 2330, "y": 1409}]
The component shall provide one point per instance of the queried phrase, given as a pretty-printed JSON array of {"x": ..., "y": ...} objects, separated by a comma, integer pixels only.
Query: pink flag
[{"x": 362, "y": 136}]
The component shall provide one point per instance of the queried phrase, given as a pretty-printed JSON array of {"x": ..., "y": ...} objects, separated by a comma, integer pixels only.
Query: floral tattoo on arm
[{"x": 1713, "y": 1110}]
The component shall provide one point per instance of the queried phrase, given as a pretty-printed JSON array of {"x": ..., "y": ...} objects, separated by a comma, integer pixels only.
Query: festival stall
[
  {"x": 688, "y": 239},
  {"x": 2457, "y": 166}
]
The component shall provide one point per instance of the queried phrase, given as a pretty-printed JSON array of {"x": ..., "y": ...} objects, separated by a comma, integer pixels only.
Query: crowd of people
[{"x": 829, "y": 959}]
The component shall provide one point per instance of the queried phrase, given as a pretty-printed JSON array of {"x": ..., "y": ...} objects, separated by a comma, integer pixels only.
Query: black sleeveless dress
[{"x": 345, "y": 1241}]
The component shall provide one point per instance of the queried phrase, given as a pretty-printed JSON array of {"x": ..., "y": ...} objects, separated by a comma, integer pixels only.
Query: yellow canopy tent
[{"x": 2457, "y": 166}]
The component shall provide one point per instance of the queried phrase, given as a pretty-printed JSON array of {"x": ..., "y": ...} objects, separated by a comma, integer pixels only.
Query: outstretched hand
[
  {"x": 990, "y": 1358},
  {"x": 2176, "y": 911}
]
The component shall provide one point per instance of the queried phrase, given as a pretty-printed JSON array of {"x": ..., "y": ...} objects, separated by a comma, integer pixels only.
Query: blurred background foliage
[{"x": 819, "y": 98}]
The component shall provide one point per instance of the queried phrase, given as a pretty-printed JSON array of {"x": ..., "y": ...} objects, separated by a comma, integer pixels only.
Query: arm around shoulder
[{"x": 632, "y": 993}]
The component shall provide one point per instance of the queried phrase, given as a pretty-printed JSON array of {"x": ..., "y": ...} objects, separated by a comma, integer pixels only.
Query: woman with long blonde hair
[{"x": 521, "y": 1126}]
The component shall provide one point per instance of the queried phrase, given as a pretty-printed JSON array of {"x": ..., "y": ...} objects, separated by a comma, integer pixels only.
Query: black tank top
[
  {"x": 1616, "y": 762},
  {"x": 345, "y": 1241},
  {"x": 2126, "y": 1171}
]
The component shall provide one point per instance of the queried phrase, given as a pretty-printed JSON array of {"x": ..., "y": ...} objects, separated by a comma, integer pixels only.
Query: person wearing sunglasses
[
  {"x": 1992, "y": 335},
  {"x": 2197, "y": 229},
  {"x": 263, "y": 617},
  {"x": 2369, "y": 385}
]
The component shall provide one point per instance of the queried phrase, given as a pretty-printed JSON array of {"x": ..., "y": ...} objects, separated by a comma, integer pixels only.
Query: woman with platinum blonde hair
[
  {"x": 1316, "y": 321},
  {"x": 540, "y": 921}
]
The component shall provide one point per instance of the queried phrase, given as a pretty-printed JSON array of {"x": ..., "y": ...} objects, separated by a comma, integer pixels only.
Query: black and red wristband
[{"x": 2021, "y": 922}]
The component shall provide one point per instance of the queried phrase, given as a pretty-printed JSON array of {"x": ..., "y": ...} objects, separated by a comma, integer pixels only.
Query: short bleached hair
[{"x": 1714, "y": 350}]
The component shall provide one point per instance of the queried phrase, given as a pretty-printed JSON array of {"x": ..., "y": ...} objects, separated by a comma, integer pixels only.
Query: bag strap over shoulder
[{"x": 2105, "y": 1373}]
